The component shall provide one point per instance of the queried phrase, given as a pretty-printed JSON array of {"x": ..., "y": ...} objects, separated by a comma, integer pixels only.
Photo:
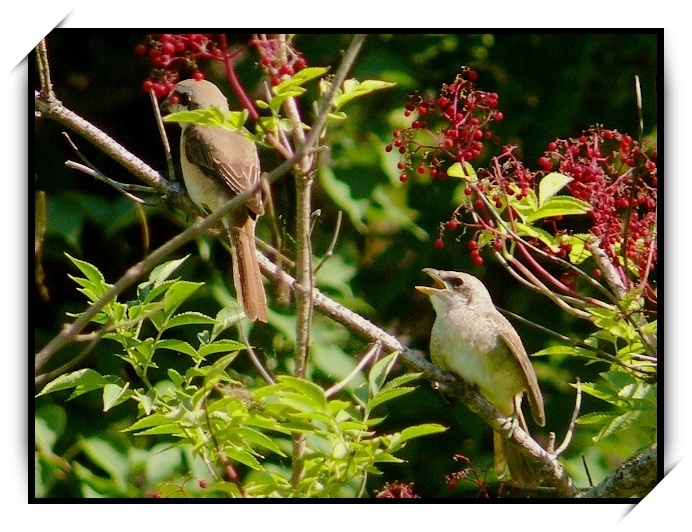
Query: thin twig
[
  {"x": 332, "y": 244},
  {"x": 163, "y": 135},
  {"x": 572, "y": 423},
  {"x": 254, "y": 359},
  {"x": 373, "y": 352}
]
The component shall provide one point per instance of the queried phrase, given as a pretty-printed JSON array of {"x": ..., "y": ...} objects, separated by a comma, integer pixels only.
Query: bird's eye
[
  {"x": 456, "y": 282},
  {"x": 184, "y": 98}
]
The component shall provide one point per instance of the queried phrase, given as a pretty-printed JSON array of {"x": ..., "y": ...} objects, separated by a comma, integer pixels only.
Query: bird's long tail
[{"x": 247, "y": 278}]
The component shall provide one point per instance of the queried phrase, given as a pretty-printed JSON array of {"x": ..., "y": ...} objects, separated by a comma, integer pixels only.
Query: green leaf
[
  {"x": 417, "y": 431},
  {"x": 550, "y": 185},
  {"x": 534, "y": 232},
  {"x": 221, "y": 346},
  {"x": 163, "y": 271},
  {"x": 555, "y": 350},
  {"x": 559, "y": 206},
  {"x": 83, "y": 381},
  {"x": 91, "y": 272},
  {"x": 179, "y": 346},
  {"x": 380, "y": 371},
  {"x": 309, "y": 390},
  {"x": 400, "y": 380},
  {"x": 104, "y": 454},
  {"x": 114, "y": 394},
  {"x": 189, "y": 318},
  {"x": 178, "y": 293},
  {"x": 258, "y": 438},
  {"x": 354, "y": 89},
  {"x": 243, "y": 457},
  {"x": 387, "y": 395},
  {"x": 467, "y": 173}
]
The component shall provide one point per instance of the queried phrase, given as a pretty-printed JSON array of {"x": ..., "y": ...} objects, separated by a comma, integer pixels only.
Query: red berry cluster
[
  {"x": 617, "y": 176},
  {"x": 461, "y": 114},
  {"x": 397, "y": 490},
  {"x": 505, "y": 176},
  {"x": 170, "y": 53},
  {"x": 279, "y": 58}
]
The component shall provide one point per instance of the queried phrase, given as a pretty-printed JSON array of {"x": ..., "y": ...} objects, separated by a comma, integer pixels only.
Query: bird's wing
[
  {"x": 226, "y": 155},
  {"x": 513, "y": 342}
]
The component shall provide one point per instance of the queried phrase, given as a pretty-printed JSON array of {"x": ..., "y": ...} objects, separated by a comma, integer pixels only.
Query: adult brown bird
[
  {"x": 218, "y": 164},
  {"x": 472, "y": 339}
]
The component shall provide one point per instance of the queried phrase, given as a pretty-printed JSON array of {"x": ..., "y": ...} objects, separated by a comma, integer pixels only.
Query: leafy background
[{"x": 550, "y": 85}]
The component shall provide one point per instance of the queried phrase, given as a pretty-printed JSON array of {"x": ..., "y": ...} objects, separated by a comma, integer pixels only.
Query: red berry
[
  {"x": 403, "y": 178},
  {"x": 468, "y": 191},
  {"x": 198, "y": 75},
  {"x": 472, "y": 245},
  {"x": 476, "y": 257},
  {"x": 148, "y": 85},
  {"x": 300, "y": 63},
  {"x": 497, "y": 245},
  {"x": 597, "y": 273},
  {"x": 286, "y": 69},
  {"x": 545, "y": 163},
  {"x": 453, "y": 223},
  {"x": 478, "y": 204},
  {"x": 203, "y": 484},
  {"x": 140, "y": 49},
  {"x": 421, "y": 169},
  {"x": 388, "y": 148},
  {"x": 400, "y": 165},
  {"x": 439, "y": 243},
  {"x": 449, "y": 143}
]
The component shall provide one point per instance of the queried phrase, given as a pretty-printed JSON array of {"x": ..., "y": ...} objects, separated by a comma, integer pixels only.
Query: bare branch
[{"x": 636, "y": 477}]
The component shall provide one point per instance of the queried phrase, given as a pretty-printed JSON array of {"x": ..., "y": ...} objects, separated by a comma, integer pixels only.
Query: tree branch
[{"x": 636, "y": 477}]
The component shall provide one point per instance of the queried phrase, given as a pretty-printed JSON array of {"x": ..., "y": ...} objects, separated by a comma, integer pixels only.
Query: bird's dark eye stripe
[{"x": 456, "y": 282}]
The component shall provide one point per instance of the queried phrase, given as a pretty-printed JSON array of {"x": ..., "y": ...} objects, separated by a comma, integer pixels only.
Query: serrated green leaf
[
  {"x": 353, "y": 89},
  {"x": 178, "y": 293},
  {"x": 594, "y": 418},
  {"x": 169, "y": 429},
  {"x": 400, "y": 380},
  {"x": 114, "y": 394},
  {"x": 258, "y": 438},
  {"x": 380, "y": 371},
  {"x": 311, "y": 391},
  {"x": 178, "y": 345},
  {"x": 91, "y": 272},
  {"x": 417, "y": 431},
  {"x": 84, "y": 380},
  {"x": 384, "y": 396},
  {"x": 153, "y": 420},
  {"x": 300, "y": 78},
  {"x": 555, "y": 350},
  {"x": 221, "y": 346},
  {"x": 244, "y": 457},
  {"x": 189, "y": 318},
  {"x": 534, "y": 232},
  {"x": 163, "y": 271},
  {"x": 550, "y": 185},
  {"x": 559, "y": 206}
]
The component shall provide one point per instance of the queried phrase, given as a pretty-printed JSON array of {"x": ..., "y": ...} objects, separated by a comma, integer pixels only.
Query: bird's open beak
[{"x": 439, "y": 283}]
